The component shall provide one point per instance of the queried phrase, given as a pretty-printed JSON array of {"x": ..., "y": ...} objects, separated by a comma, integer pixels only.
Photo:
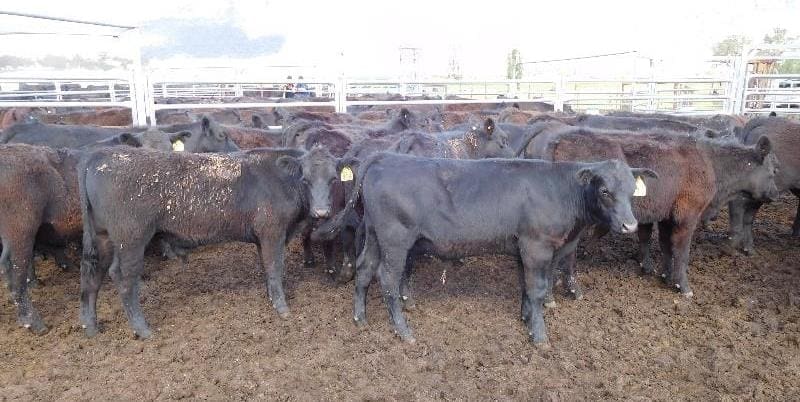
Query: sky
[{"x": 363, "y": 37}]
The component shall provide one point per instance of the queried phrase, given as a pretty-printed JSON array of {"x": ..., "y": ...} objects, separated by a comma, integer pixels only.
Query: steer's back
[
  {"x": 686, "y": 183},
  {"x": 196, "y": 198},
  {"x": 482, "y": 205}
]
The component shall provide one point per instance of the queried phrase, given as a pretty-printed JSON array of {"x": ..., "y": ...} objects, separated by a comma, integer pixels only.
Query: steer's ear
[
  {"x": 585, "y": 175},
  {"x": 129, "y": 140},
  {"x": 764, "y": 147},
  {"x": 405, "y": 115},
  {"x": 290, "y": 165},
  {"x": 636, "y": 172},
  {"x": 181, "y": 136},
  {"x": 257, "y": 122},
  {"x": 489, "y": 126},
  {"x": 205, "y": 124}
]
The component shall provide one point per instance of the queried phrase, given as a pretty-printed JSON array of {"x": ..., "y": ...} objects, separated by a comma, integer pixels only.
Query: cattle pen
[{"x": 217, "y": 333}]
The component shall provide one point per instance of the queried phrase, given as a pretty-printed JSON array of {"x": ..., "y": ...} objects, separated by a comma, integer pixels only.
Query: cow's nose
[
  {"x": 321, "y": 213},
  {"x": 629, "y": 227}
]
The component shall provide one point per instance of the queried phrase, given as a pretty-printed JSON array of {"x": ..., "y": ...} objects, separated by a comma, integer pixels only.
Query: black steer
[
  {"x": 260, "y": 196},
  {"x": 455, "y": 208}
]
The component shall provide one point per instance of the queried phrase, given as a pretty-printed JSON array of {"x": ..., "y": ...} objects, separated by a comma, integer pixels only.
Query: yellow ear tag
[
  {"x": 641, "y": 188},
  {"x": 177, "y": 146},
  {"x": 347, "y": 174}
]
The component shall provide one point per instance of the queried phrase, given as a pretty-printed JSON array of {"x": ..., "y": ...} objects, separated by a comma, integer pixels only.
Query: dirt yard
[{"x": 217, "y": 337}]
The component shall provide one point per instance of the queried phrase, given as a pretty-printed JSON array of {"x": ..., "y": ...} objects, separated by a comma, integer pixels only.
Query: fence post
[
  {"x": 138, "y": 80},
  {"x": 740, "y": 83},
  {"x": 558, "y": 102},
  {"x": 57, "y": 84},
  {"x": 341, "y": 95}
]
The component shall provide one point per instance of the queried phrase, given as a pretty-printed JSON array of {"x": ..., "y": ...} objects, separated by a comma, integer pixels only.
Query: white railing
[
  {"x": 764, "y": 92},
  {"x": 743, "y": 92}
]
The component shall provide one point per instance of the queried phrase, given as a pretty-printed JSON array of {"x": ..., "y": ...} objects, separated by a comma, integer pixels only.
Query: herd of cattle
[{"x": 376, "y": 189}]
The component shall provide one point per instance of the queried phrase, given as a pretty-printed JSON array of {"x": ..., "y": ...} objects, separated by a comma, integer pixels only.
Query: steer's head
[
  {"x": 210, "y": 138},
  {"x": 153, "y": 139},
  {"x": 608, "y": 188},
  {"x": 489, "y": 141},
  {"x": 760, "y": 170},
  {"x": 317, "y": 170}
]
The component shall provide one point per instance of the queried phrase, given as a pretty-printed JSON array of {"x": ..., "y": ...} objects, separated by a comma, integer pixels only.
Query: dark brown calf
[
  {"x": 693, "y": 174},
  {"x": 40, "y": 195},
  {"x": 785, "y": 136}
]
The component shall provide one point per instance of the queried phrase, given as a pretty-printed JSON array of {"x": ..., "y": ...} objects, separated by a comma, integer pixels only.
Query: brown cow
[
  {"x": 13, "y": 116},
  {"x": 693, "y": 174},
  {"x": 785, "y": 134}
]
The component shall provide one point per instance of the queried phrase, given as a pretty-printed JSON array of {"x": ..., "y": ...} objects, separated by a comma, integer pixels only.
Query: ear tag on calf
[
  {"x": 641, "y": 188},
  {"x": 177, "y": 146},
  {"x": 346, "y": 174}
]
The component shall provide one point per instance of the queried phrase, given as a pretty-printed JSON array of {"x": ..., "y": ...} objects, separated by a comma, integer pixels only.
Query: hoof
[
  {"x": 747, "y": 251},
  {"x": 142, "y": 334},
  {"x": 551, "y": 304},
  {"x": 309, "y": 263},
  {"x": 539, "y": 341},
  {"x": 688, "y": 294},
  {"x": 37, "y": 327},
  {"x": 647, "y": 267},
  {"x": 90, "y": 332},
  {"x": 284, "y": 314},
  {"x": 360, "y": 322},
  {"x": 34, "y": 283},
  {"x": 409, "y": 339},
  {"x": 576, "y": 294}
]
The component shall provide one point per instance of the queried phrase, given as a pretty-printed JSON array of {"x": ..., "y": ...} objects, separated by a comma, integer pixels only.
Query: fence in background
[{"x": 749, "y": 91}]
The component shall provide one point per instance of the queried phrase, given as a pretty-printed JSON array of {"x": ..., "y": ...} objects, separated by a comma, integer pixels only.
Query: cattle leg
[
  {"x": 93, "y": 271},
  {"x": 329, "y": 252},
  {"x": 525, "y": 307},
  {"x": 17, "y": 256},
  {"x": 308, "y": 252},
  {"x": 681, "y": 244},
  {"x": 664, "y": 240},
  {"x": 272, "y": 257},
  {"x": 536, "y": 259},
  {"x": 390, "y": 272},
  {"x": 750, "y": 210},
  {"x": 346, "y": 272},
  {"x": 736, "y": 223},
  {"x": 33, "y": 280},
  {"x": 645, "y": 233},
  {"x": 406, "y": 285},
  {"x": 366, "y": 266},
  {"x": 127, "y": 276},
  {"x": 568, "y": 256},
  {"x": 796, "y": 224}
]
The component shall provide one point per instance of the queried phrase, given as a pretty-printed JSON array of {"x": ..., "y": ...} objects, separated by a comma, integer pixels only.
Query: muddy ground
[{"x": 216, "y": 336}]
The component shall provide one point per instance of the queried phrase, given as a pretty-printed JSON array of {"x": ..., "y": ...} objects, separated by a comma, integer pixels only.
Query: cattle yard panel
[
  {"x": 35, "y": 90},
  {"x": 764, "y": 88},
  {"x": 748, "y": 91},
  {"x": 235, "y": 94}
]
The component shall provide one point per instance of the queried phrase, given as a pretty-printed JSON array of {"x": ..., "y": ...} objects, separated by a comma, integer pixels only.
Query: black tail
[
  {"x": 89, "y": 255},
  {"x": 328, "y": 230}
]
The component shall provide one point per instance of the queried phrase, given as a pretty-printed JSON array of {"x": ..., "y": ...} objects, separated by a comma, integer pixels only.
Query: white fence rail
[{"x": 744, "y": 92}]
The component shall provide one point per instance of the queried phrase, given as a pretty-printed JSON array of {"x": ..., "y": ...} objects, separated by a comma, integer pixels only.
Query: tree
[
  {"x": 514, "y": 65},
  {"x": 780, "y": 36},
  {"x": 730, "y": 46}
]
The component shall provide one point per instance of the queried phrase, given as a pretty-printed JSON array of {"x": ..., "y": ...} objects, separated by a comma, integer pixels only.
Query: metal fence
[
  {"x": 748, "y": 90},
  {"x": 764, "y": 89}
]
